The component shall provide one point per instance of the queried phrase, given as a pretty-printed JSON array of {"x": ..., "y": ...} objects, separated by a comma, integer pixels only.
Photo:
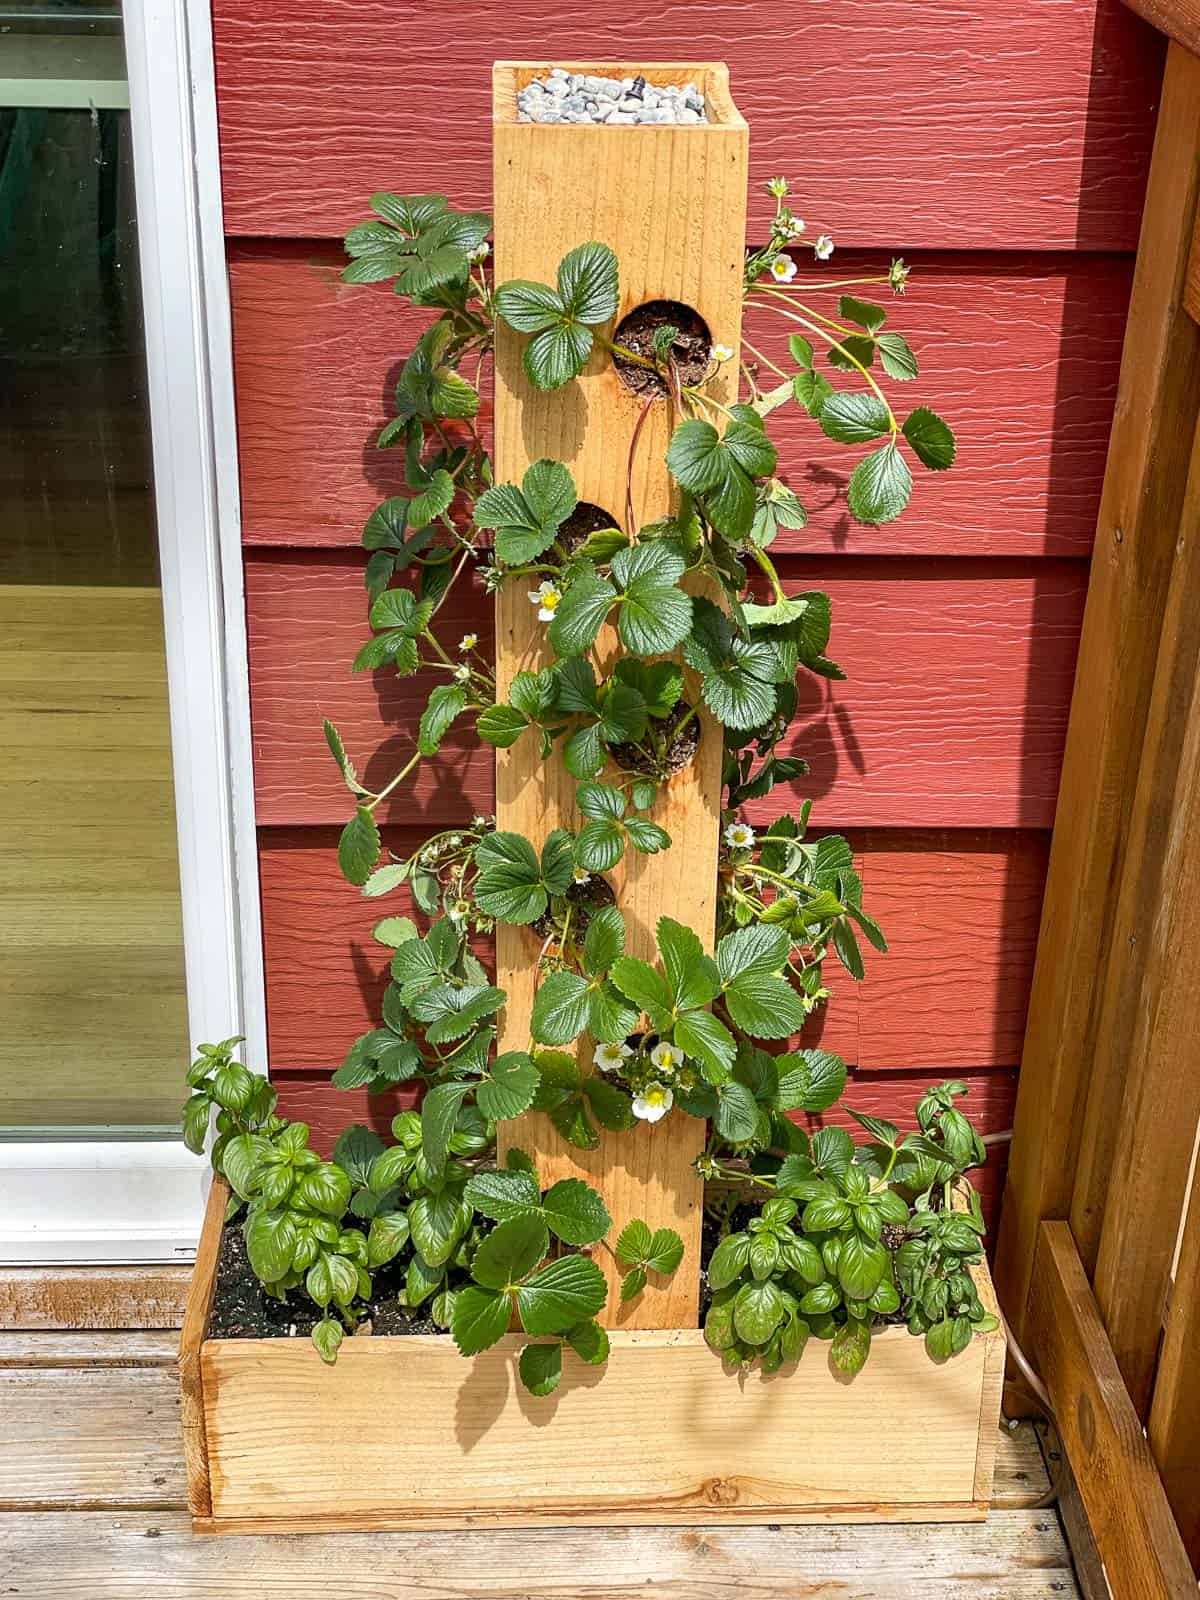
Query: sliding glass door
[
  {"x": 93, "y": 1006},
  {"x": 123, "y": 930}
]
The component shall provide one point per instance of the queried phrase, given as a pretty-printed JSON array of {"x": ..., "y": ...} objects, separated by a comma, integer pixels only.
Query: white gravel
[{"x": 564, "y": 96}]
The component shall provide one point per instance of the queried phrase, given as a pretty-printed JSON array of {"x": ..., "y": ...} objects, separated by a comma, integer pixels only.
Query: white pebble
[{"x": 575, "y": 97}]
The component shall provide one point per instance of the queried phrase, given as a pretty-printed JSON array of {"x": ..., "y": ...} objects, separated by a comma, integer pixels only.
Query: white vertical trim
[
  {"x": 142, "y": 1199},
  {"x": 189, "y": 362}
]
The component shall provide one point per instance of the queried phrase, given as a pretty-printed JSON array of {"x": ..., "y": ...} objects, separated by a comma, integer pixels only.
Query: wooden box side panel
[
  {"x": 191, "y": 1340},
  {"x": 402, "y": 1429}
]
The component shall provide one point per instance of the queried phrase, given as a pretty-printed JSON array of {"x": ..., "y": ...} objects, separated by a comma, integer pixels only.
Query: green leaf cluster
[
  {"x": 514, "y": 1278},
  {"x": 561, "y": 318}
]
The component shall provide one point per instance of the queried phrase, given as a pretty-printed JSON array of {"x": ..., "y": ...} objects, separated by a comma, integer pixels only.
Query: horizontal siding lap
[
  {"x": 1020, "y": 356},
  {"x": 908, "y": 122},
  {"x": 991, "y": 1096},
  {"x": 953, "y": 715},
  {"x": 960, "y": 911}
]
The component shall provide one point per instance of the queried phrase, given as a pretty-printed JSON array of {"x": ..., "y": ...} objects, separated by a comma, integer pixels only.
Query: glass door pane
[{"x": 93, "y": 1022}]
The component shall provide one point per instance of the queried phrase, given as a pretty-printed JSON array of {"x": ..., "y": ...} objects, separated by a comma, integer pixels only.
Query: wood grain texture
[
  {"x": 195, "y": 1322},
  {"x": 48, "y": 1348},
  {"x": 1139, "y": 1134},
  {"x": 1024, "y": 126},
  {"x": 1179, "y": 19},
  {"x": 719, "y": 1447},
  {"x": 1139, "y": 518},
  {"x": 641, "y": 196},
  {"x": 958, "y": 975},
  {"x": 953, "y": 714},
  {"x": 78, "y": 1439},
  {"x": 1015, "y": 1555},
  {"x": 1020, "y": 354},
  {"x": 1174, "y": 1424},
  {"x": 1089, "y": 1569},
  {"x": 1121, "y": 1490},
  {"x": 93, "y": 1297}
]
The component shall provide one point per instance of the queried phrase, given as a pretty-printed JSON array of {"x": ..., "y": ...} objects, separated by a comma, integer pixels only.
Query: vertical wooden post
[
  {"x": 671, "y": 202},
  {"x": 1175, "y": 1411},
  {"x": 1136, "y": 1535},
  {"x": 1144, "y": 1101},
  {"x": 1135, "y": 547}
]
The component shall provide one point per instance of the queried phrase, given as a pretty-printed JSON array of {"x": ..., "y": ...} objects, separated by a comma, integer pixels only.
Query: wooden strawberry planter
[{"x": 402, "y": 1431}]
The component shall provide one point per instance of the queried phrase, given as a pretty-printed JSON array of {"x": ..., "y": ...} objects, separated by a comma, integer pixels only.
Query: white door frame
[{"x": 140, "y": 1199}]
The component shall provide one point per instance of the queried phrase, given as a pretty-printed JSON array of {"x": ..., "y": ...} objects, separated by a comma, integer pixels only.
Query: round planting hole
[
  {"x": 584, "y": 899},
  {"x": 679, "y": 746},
  {"x": 584, "y": 520},
  {"x": 689, "y": 352}
]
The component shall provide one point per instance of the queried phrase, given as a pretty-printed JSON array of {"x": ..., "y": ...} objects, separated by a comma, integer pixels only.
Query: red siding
[
  {"x": 960, "y": 910},
  {"x": 953, "y": 713},
  {"x": 991, "y": 1096},
  {"x": 1022, "y": 354},
  {"x": 911, "y": 123},
  {"x": 1007, "y": 147}
]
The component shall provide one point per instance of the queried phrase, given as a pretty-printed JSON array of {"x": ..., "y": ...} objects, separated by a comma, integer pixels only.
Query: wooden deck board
[
  {"x": 92, "y": 1507},
  {"x": 1017, "y": 1555},
  {"x": 91, "y": 1438}
]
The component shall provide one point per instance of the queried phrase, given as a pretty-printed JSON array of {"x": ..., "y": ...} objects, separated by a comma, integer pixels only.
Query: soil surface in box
[{"x": 242, "y": 1309}]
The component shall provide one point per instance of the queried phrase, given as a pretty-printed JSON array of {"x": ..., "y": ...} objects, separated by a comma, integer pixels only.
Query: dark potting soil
[
  {"x": 586, "y": 518},
  {"x": 584, "y": 898},
  {"x": 689, "y": 353},
  {"x": 681, "y": 747},
  {"x": 242, "y": 1309}
]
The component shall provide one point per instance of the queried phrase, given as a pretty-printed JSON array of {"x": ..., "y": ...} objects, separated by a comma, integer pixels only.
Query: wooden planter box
[{"x": 405, "y": 1433}]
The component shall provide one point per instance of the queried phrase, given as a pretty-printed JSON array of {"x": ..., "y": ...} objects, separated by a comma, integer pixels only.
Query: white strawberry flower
[
  {"x": 667, "y": 1057},
  {"x": 468, "y": 642},
  {"x": 739, "y": 836},
  {"x": 460, "y": 911},
  {"x": 462, "y": 672},
  {"x": 823, "y": 248},
  {"x": 610, "y": 1057},
  {"x": 783, "y": 269},
  {"x": 480, "y": 252},
  {"x": 578, "y": 875},
  {"x": 547, "y": 597},
  {"x": 653, "y": 1103},
  {"x": 791, "y": 227},
  {"x": 720, "y": 352}
]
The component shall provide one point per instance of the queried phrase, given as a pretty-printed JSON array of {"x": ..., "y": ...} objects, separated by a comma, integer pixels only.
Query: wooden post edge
[
  {"x": 195, "y": 1324},
  {"x": 1178, "y": 19},
  {"x": 1119, "y": 1484}
]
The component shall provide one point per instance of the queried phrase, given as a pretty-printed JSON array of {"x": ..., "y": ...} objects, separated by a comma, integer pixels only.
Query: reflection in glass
[{"x": 93, "y": 1029}]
